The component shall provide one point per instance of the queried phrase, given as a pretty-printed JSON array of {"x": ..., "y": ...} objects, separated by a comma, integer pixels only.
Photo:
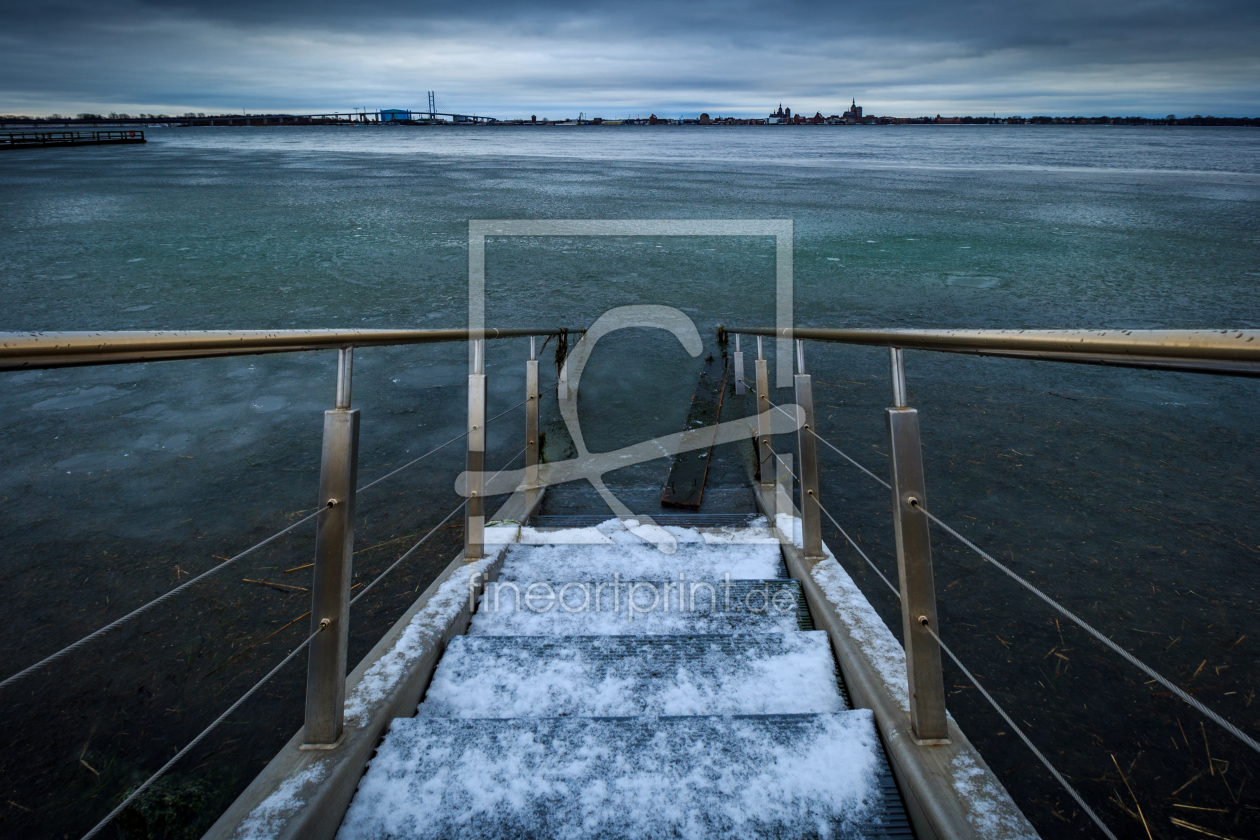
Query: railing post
[
  {"x": 531, "y": 425},
  {"x": 783, "y": 486},
  {"x": 741, "y": 387},
  {"x": 475, "y": 509},
  {"x": 914, "y": 565},
  {"x": 334, "y": 551},
  {"x": 765, "y": 470},
  {"x": 811, "y": 524}
]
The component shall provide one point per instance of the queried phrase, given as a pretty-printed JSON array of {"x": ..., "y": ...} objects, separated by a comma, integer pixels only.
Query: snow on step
[
  {"x": 637, "y": 608},
  {"x": 696, "y": 561},
  {"x": 621, "y": 676},
  {"x": 632, "y": 531},
  {"x": 783, "y": 777}
]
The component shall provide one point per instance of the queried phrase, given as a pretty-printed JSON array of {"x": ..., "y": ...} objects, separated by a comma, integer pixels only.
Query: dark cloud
[{"x": 304, "y": 54}]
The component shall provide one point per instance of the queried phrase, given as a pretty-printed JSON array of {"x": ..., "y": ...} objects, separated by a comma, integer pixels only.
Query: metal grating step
[
  {"x": 642, "y": 561},
  {"x": 622, "y": 676},
  {"x": 787, "y": 777},
  {"x": 681, "y": 520}
]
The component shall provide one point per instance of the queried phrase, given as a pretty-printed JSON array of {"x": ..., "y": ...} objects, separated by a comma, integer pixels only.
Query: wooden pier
[{"x": 34, "y": 139}]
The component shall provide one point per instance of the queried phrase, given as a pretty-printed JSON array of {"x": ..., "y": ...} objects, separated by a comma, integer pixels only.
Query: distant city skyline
[{"x": 555, "y": 58}]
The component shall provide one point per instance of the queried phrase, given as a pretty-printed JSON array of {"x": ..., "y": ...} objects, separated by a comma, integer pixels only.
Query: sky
[{"x": 613, "y": 58}]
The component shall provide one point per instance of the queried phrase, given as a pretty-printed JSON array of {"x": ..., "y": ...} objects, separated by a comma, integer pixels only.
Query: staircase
[{"x": 607, "y": 689}]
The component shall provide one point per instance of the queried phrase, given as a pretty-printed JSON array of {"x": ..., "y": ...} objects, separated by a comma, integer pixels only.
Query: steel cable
[
  {"x": 195, "y": 741},
  {"x": 113, "y": 625},
  {"x": 868, "y": 560},
  {"x": 830, "y": 445},
  {"x": 436, "y": 449},
  {"x": 408, "y": 552},
  {"x": 161, "y": 598},
  {"x": 1133, "y": 660},
  {"x": 1015, "y": 728},
  {"x": 782, "y": 461},
  {"x": 432, "y": 531},
  {"x": 152, "y": 779},
  {"x": 1064, "y": 782}
]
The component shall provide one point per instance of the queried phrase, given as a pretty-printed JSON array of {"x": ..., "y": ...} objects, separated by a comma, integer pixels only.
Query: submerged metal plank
[{"x": 687, "y": 471}]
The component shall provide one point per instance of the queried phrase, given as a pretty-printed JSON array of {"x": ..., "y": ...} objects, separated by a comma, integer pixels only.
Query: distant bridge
[{"x": 383, "y": 117}]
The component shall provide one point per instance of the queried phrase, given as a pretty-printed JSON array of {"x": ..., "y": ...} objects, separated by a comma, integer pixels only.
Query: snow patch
[
  {"x": 632, "y": 531},
  {"x": 641, "y": 561},
  {"x": 424, "y": 630},
  {"x": 981, "y": 793},
  {"x": 502, "y": 533},
  {"x": 610, "y": 676},
  {"x": 867, "y": 629},
  {"x": 790, "y": 526},
  {"x": 564, "y": 536},
  {"x": 268, "y": 818},
  {"x": 589, "y": 777}
]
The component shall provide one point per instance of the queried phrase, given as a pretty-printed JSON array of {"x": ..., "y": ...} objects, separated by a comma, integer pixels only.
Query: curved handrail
[
  {"x": 1231, "y": 352},
  {"x": 27, "y": 351}
]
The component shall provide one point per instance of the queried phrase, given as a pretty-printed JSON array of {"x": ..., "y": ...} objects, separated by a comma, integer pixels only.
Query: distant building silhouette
[{"x": 780, "y": 116}]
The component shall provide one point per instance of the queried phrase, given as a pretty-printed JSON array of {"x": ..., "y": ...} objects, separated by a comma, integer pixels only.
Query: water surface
[{"x": 1129, "y": 495}]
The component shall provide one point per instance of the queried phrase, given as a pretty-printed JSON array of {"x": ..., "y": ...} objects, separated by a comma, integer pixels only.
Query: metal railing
[
  {"x": 28, "y": 351},
  {"x": 338, "y": 485},
  {"x": 1229, "y": 352},
  {"x": 1221, "y": 352}
]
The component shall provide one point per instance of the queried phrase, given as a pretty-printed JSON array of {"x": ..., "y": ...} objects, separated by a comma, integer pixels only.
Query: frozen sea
[{"x": 1129, "y": 495}]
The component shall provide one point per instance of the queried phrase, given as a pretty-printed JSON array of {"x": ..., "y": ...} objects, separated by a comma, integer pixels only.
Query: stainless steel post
[
  {"x": 562, "y": 378},
  {"x": 914, "y": 565},
  {"x": 334, "y": 550},
  {"x": 765, "y": 469},
  {"x": 807, "y": 447},
  {"x": 475, "y": 510},
  {"x": 897, "y": 361},
  {"x": 783, "y": 486},
  {"x": 531, "y": 426},
  {"x": 741, "y": 387}
]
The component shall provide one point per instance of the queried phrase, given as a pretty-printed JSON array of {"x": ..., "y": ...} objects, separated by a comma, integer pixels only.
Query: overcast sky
[{"x": 554, "y": 58}]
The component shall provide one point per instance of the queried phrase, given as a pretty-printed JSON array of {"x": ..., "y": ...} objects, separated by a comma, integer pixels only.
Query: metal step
[
  {"x": 786, "y": 777},
  {"x": 603, "y": 608},
  {"x": 682, "y": 520},
  {"x": 621, "y": 676},
  {"x": 695, "y": 561}
]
